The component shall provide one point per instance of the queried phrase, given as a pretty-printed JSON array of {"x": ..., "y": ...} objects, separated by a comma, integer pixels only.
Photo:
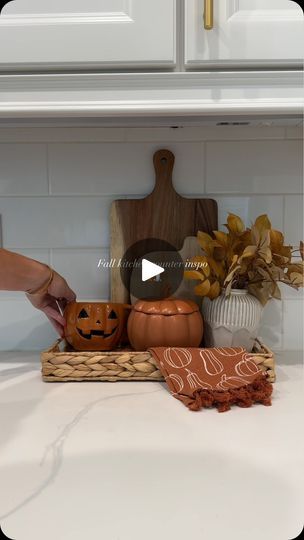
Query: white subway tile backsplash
[
  {"x": 41, "y": 255},
  {"x": 22, "y": 327},
  {"x": 293, "y": 219},
  {"x": 295, "y": 132},
  {"x": 293, "y": 324},
  {"x": 249, "y": 208},
  {"x": 55, "y": 221},
  {"x": 203, "y": 133},
  {"x": 23, "y": 169},
  {"x": 248, "y": 170},
  {"x": 271, "y": 324},
  {"x": 62, "y": 134},
  {"x": 179, "y": 131},
  {"x": 100, "y": 168},
  {"x": 288, "y": 293},
  {"x": 120, "y": 169},
  {"x": 168, "y": 134},
  {"x": 80, "y": 269},
  {"x": 254, "y": 167}
]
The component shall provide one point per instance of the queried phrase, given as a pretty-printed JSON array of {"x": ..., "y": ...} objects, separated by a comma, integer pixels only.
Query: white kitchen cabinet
[
  {"x": 244, "y": 33},
  {"x": 87, "y": 33}
]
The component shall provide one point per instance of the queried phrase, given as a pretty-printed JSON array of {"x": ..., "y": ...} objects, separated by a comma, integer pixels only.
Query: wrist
[
  {"x": 19, "y": 273},
  {"x": 41, "y": 278}
]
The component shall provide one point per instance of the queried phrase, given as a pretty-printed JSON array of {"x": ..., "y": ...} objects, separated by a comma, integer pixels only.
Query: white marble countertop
[{"x": 126, "y": 461}]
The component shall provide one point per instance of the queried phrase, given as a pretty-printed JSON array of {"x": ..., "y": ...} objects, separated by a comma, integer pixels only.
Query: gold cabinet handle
[{"x": 208, "y": 14}]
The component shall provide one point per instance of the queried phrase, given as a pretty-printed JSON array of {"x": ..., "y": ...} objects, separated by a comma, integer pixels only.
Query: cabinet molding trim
[{"x": 166, "y": 94}]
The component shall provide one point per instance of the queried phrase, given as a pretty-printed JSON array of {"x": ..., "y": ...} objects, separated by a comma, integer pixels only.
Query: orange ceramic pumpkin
[
  {"x": 95, "y": 326},
  {"x": 165, "y": 323}
]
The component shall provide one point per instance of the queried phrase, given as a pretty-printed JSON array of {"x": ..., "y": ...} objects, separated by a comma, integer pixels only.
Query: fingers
[
  {"x": 60, "y": 289},
  {"x": 48, "y": 305},
  {"x": 59, "y": 329},
  {"x": 68, "y": 295},
  {"x": 72, "y": 296},
  {"x": 54, "y": 314},
  {"x": 62, "y": 303},
  {"x": 53, "y": 301}
]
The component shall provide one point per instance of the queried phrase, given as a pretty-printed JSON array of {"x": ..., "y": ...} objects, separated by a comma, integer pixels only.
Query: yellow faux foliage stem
[{"x": 254, "y": 258}]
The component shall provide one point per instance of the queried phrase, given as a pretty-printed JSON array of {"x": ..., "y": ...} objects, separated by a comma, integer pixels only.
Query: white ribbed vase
[{"x": 231, "y": 321}]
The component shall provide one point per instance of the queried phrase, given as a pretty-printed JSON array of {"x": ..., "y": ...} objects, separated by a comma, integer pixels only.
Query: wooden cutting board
[{"x": 164, "y": 214}]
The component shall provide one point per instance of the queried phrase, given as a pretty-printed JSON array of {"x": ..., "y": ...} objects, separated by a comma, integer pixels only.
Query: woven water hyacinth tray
[{"x": 60, "y": 363}]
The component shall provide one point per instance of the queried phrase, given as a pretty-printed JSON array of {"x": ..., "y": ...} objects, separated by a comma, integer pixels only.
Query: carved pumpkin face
[{"x": 94, "y": 325}]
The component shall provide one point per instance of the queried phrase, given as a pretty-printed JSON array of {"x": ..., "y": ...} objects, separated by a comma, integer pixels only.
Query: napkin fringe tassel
[{"x": 259, "y": 391}]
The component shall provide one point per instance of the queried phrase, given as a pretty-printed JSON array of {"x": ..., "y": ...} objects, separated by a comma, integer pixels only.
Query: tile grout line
[
  {"x": 111, "y": 196},
  {"x": 284, "y": 208},
  {"x": 48, "y": 170},
  {"x": 62, "y": 248},
  {"x": 283, "y": 300},
  {"x": 204, "y": 166},
  {"x": 127, "y": 139},
  {"x": 51, "y": 261}
]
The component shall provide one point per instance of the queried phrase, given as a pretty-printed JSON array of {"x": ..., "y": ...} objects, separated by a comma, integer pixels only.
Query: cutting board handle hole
[{"x": 163, "y": 160}]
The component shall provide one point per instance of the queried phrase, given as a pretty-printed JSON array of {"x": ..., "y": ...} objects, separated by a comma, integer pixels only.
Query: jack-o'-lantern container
[
  {"x": 165, "y": 323},
  {"x": 95, "y": 326}
]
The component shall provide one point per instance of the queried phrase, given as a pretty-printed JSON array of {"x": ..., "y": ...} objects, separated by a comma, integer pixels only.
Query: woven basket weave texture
[{"x": 124, "y": 365}]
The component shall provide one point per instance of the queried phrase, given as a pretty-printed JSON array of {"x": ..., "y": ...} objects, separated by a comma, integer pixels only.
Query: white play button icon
[{"x": 150, "y": 270}]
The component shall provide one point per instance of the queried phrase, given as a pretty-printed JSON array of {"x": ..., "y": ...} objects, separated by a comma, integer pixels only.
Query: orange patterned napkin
[{"x": 217, "y": 376}]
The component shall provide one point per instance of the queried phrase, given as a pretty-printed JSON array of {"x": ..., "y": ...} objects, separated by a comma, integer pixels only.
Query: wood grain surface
[{"x": 164, "y": 214}]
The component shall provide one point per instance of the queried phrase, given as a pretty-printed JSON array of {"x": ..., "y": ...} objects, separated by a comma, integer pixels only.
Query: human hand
[{"x": 53, "y": 301}]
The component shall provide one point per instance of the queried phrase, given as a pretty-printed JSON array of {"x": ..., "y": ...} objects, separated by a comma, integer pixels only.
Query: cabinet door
[
  {"x": 87, "y": 33},
  {"x": 248, "y": 32}
]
